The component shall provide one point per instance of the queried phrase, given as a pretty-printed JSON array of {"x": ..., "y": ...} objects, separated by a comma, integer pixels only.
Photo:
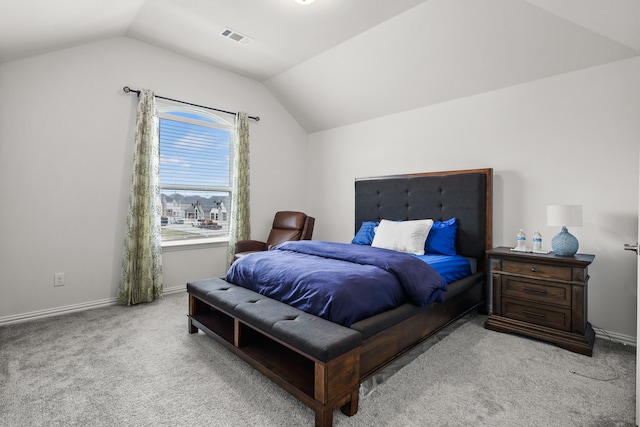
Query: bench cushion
[{"x": 311, "y": 335}]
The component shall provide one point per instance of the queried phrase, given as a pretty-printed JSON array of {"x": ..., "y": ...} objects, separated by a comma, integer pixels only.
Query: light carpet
[{"x": 138, "y": 366}]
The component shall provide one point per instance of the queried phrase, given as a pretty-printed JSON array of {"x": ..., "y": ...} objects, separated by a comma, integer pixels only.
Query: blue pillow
[
  {"x": 442, "y": 238},
  {"x": 364, "y": 236}
]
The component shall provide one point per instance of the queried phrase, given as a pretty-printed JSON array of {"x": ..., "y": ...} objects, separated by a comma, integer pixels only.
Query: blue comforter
[{"x": 339, "y": 282}]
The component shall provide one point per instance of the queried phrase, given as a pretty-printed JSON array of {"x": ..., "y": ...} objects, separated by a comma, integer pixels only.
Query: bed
[{"x": 322, "y": 362}]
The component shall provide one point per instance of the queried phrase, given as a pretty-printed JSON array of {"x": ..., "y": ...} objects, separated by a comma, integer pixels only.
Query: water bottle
[
  {"x": 537, "y": 242},
  {"x": 522, "y": 241}
]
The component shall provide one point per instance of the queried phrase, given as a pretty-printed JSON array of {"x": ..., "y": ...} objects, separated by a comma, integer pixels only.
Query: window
[{"x": 195, "y": 173}]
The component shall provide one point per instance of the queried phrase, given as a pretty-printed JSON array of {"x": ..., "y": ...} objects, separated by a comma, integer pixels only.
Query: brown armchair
[{"x": 287, "y": 225}]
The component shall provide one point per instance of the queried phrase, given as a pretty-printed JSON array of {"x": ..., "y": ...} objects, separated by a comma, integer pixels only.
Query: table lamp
[{"x": 564, "y": 243}]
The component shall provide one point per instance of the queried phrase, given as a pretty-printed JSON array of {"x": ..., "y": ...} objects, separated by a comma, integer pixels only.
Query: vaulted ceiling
[{"x": 336, "y": 62}]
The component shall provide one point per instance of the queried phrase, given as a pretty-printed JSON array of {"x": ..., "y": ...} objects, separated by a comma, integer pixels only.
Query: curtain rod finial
[{"x": 127, "y": 89}]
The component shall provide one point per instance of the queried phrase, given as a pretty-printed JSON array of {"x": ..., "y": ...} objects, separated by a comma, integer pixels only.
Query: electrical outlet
[{"x": 58, "y": 279}]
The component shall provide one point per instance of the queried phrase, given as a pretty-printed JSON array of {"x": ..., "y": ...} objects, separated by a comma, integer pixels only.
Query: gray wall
[
  {"x": 569, "y": 139},
  {"x": 66, "y": 141},
  {"x": 66, "y": 146}
]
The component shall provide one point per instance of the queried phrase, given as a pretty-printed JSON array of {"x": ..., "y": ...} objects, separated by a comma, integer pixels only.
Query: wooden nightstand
[{"x": 542, "y": 296}]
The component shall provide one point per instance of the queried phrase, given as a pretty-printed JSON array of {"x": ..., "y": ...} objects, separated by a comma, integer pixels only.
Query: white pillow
[{"x": 403, "y": 236}]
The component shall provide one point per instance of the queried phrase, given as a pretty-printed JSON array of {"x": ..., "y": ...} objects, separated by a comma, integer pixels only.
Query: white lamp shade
[{"x": 564, "y": 215}]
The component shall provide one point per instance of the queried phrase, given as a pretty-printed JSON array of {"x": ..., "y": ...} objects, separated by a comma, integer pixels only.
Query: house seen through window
[{"x": 195, "y": 173}]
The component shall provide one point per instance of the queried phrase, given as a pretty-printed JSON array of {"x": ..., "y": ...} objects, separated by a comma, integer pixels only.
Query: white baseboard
[
  {"x": 614, "y": 336},
  {"x": 174, "y": 289},
  {"x": 56, "y": 311}
]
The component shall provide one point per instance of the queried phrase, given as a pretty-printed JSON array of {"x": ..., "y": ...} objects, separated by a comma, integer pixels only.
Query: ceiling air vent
[{"x": 236, "y": 36}]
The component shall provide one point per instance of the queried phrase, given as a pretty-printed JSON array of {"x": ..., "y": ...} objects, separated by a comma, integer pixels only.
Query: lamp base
[{"x": 564, "y": 243}]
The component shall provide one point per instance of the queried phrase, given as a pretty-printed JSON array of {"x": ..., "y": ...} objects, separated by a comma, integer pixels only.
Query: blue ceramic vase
[{"x": 564, "y": 243}]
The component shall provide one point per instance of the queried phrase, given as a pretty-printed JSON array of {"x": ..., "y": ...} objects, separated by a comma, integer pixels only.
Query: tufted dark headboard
[{"x": 465, "y": 194}]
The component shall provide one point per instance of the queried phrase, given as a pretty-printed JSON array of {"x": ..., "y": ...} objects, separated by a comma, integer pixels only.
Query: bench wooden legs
[
  {"x": 324, "y": 417},
  {"x": 192, "y": 310},
  {"x": 192, "y": 329},
  {"x": 351, "y": 407}
]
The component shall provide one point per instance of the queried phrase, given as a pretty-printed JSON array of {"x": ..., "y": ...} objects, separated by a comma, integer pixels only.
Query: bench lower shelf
[{"x": 323, "y": 386}]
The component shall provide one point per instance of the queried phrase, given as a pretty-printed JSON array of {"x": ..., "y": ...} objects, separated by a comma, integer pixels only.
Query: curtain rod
[{"x": 127, "y": 89}]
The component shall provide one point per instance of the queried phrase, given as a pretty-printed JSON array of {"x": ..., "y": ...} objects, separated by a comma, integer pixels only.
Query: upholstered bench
[{"x": 315, "y": 360}]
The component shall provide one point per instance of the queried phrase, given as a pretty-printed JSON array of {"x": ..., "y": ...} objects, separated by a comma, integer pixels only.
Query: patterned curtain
[
  {"x": 141, "y": 279},
  {"x": 240, "y": 228}
]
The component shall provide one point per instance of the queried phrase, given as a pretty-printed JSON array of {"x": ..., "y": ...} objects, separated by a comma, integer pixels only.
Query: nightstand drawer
[
  {"x": 553, "y": 317},
  {"x": 537, "y": 270},
  {"x": 532, "y": 290}
]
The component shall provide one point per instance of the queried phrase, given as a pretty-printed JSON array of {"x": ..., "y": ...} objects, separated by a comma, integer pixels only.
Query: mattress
[{"x": 450, "y": 267}]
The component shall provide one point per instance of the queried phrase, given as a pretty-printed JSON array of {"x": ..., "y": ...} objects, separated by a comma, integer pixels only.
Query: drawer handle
[
  {"x": 530, "y": 313},
  {"x": 536, "y": 291},
  {"x": 535, "y": 270}
]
